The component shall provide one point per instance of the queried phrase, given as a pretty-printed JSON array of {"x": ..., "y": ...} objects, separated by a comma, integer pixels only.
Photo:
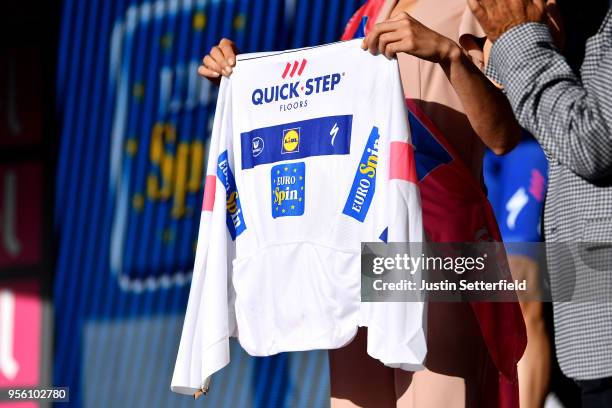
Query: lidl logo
[
  {"x": 288, "y": 182},
  {"x": 292, "y": 69},
  {"x": 291, "y": 141}
]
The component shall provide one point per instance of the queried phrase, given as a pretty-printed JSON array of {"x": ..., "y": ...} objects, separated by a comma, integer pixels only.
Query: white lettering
[{"x": 8, "y": 364}]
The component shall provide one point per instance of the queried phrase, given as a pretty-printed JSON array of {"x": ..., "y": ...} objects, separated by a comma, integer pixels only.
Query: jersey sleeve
[
  {"x": 405, "y": 214},
  {"x": 209, "y": 318},
  {"x": 396, "y": 331}
]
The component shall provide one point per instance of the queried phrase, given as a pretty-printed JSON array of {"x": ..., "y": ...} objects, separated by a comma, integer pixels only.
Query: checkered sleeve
[
  {"x": 570, "y": 116},
  {"x": 491, "y": 73}
]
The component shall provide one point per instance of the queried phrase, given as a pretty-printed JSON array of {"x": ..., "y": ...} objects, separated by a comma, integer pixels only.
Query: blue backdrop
[{"x": 135, "y": 122}]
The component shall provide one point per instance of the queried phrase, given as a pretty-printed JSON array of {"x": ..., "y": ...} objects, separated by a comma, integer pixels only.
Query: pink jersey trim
[
  {"x": 209, "y": 193},
  {"x": 402, "y": 166}
]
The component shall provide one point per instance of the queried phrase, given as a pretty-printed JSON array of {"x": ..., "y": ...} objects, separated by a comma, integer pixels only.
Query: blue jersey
[{"x": 516, "y": 186}]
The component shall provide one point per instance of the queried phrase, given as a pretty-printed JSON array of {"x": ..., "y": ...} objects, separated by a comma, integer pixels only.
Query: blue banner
[{"x": 324, "y": 136}]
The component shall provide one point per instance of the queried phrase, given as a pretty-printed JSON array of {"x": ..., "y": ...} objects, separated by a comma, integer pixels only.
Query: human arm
[
  {"x": 486, "y": 107},
  {"x": 571, "y": 117}
]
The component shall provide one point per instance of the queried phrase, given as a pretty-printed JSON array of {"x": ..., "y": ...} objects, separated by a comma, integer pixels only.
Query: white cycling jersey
[{"x": 310, "y": 155}]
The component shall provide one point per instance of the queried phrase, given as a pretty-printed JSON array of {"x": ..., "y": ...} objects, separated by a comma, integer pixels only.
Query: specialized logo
[
  {"x": 291, "y": 141},
  {"x": 258, "y": 146},
  {"x": 364, "y": 184},
  {"x": 288, "y": 183},
  {"x": 515, "y": 205},
  {"x": 294, "y": 68},
  {"x": 235, "y": 218},
  {"x": 298, "y": 140},
  {"x": 297, "y": 89},
  {"x": 333, "y": 133}
]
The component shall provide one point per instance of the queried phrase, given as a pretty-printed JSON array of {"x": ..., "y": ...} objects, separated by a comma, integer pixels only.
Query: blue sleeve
[{"x": 517, "y": 187}]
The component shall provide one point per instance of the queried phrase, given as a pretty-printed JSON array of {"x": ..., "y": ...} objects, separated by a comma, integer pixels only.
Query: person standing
[{"x": 571, "y": 117}]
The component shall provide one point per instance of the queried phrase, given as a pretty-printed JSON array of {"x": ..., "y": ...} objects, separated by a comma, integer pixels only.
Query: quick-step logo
[
  {"x": 297, "y": 89},
  {"x": 364, "y": 184},
  {"x": 235, "y": 219}
]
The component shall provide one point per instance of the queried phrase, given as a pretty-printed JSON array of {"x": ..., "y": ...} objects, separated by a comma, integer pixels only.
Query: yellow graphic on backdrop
[{"x": 176, "y": 168}]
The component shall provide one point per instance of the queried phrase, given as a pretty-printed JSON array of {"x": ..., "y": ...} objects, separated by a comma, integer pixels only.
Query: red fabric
[
  {"x": 370, "y": 10},
  {"x": 471, "y": 219}
]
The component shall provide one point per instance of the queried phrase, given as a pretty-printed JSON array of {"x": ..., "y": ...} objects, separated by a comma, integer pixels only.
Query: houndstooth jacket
[{"x": 572, "y": 119}]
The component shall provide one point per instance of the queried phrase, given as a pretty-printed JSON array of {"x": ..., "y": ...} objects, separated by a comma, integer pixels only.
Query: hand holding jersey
[
  {"x": 403, "y": 33},
  {"x": 220, "y": 61}
]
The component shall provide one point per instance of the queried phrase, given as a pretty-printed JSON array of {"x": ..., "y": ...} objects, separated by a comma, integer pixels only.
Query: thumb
[{"x": 477, "y": 9}]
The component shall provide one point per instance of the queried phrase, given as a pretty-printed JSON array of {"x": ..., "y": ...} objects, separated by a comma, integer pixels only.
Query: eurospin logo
[
  {"x": 288, "y": 183},
  {"x": 297, "y": 89}
]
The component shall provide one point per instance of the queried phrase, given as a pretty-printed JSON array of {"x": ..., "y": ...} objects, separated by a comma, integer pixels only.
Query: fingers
[
  {"x": 372, "y": 40},
  {"x": 207, "y": 72},
  {"x": 228, "y": 48},
  {"x": 219, "y": 61},
  {"x": 386, "y": 39},
  {"x": 391, "y": 49},
  {"x": 212, "y": 65},
  {"x": 477, "y": 9},
  {"x": 488, "y": 4}
]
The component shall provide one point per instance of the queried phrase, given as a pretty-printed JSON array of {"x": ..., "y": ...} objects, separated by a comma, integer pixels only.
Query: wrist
[{"x": 450, "y": 53}]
